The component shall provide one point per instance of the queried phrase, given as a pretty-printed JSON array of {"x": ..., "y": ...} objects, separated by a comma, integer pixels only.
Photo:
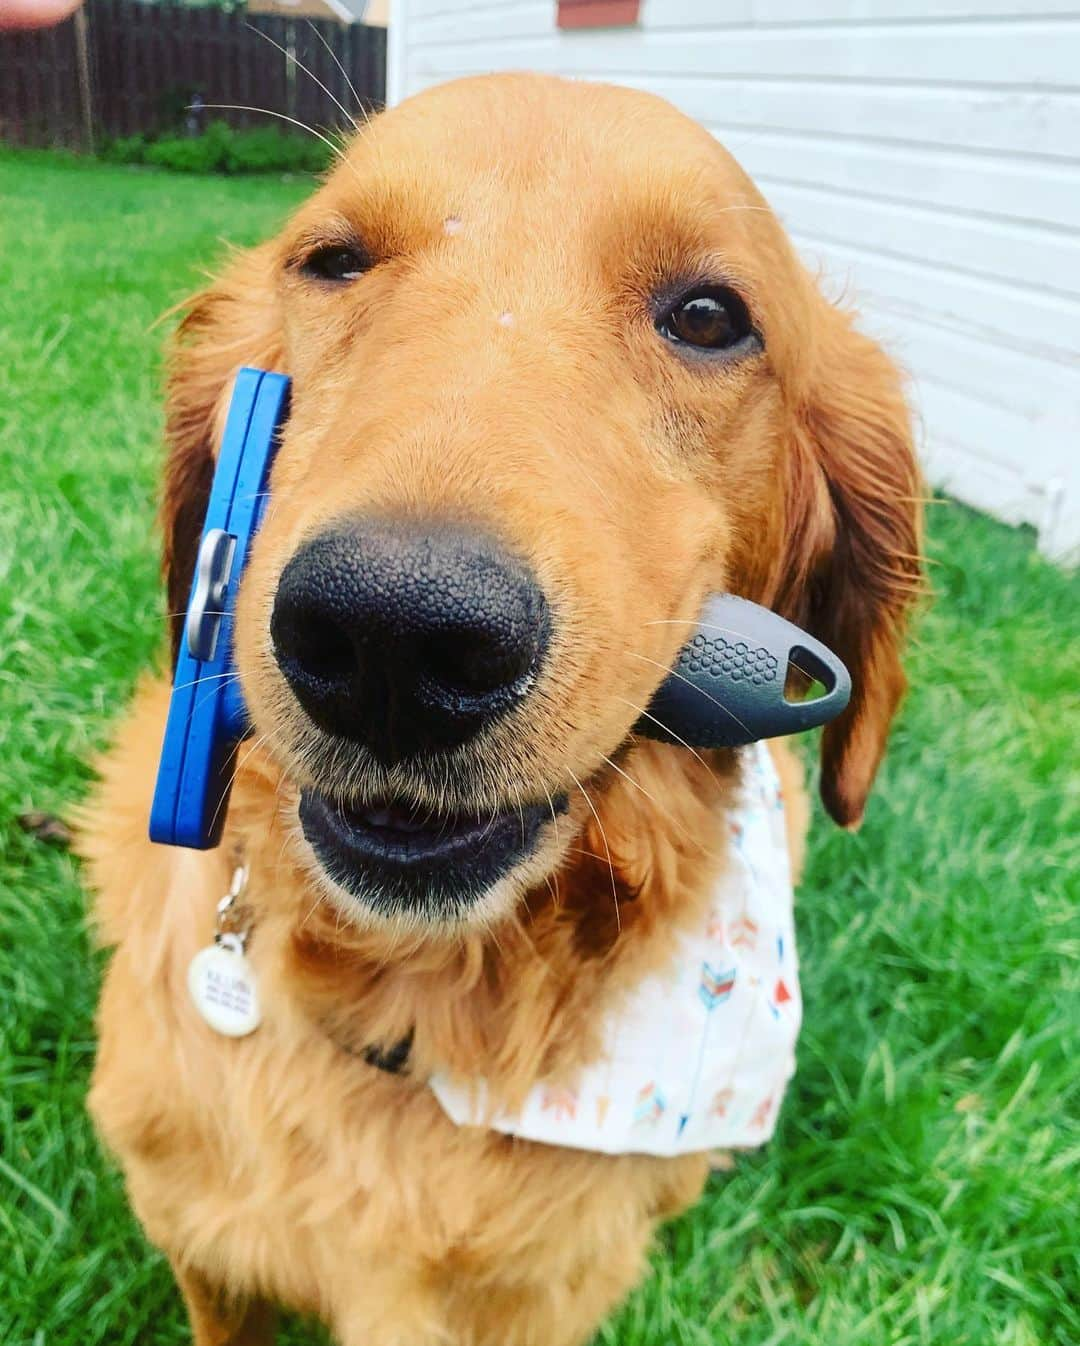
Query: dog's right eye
[
  {"x": 336, "y": 263},
  {"x": 710, "y": 318}
]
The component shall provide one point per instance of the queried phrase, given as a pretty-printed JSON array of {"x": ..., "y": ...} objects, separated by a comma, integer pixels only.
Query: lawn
[{"x": 922, "y": 1187}]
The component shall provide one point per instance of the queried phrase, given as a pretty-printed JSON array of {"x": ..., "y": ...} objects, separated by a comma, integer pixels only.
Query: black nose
[{"x": 407, "y": 638}]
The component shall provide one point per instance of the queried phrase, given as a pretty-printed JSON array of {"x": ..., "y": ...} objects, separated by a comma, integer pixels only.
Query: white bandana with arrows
[{"x": 698, "y": 1056}]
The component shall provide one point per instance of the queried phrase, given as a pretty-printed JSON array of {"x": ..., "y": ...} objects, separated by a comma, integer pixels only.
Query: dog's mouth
[{"x": 399, "y": 858}]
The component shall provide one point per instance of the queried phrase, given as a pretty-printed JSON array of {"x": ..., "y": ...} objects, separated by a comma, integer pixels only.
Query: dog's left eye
[
  {"x": 711, "y": 318},
  {"x": 335, "y": 263}
]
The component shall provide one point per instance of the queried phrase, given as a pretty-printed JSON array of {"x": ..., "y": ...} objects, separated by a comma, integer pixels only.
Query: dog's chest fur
[
  {"x": 333, "y": 1187},
  {"x": 291, "y": 1167}
]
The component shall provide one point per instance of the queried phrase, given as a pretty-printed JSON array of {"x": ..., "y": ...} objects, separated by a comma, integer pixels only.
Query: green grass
[{"x": 921, "y": 1188}]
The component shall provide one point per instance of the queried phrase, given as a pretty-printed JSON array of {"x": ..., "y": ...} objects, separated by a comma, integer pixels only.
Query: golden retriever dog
[{"x": 558, "y": 375}]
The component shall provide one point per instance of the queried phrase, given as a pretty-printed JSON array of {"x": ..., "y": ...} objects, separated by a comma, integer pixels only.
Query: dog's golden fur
[{"x": 500, "y": 364}]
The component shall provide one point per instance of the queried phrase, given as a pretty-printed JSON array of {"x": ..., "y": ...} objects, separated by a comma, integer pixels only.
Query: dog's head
[{"x": 557, "y": 375}]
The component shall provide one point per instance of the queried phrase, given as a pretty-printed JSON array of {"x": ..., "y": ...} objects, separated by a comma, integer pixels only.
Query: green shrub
[
  {"x": 268, "y": 149},
  {"x": 220, "y": 149},
  {"x": 125, "y": 150},
  {"x": 207, "y": 153}
]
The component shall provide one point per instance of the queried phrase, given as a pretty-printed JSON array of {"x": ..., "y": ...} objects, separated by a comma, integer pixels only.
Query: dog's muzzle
[{"x": 408, "y": 641}]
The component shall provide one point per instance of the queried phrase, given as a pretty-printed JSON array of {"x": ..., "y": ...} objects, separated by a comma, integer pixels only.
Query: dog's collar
[
  {"x": 393, "y": 1060},
  {"x": 234, "y": 915},
  {"x": 234, "y": 925}
]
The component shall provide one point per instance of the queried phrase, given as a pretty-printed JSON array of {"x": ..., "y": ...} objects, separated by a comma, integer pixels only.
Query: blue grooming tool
[
  {"x": 207, "y": 716},
  {"x": 726, "y": 687}
]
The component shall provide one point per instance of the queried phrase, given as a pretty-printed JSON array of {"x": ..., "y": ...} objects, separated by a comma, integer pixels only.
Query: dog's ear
[
  {"x": 852, "y": 568},
  {"x": 234, "y": 322}
]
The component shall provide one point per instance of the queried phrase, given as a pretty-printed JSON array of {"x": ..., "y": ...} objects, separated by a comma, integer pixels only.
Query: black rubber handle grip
[{"x": 727, "y": 685}]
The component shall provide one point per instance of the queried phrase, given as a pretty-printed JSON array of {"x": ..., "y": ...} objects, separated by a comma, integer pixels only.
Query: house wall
[{"x": 925, "y": 152}]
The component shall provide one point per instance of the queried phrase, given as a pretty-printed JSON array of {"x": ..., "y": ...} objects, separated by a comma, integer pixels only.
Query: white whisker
[
  {"x": 554, "y": 819},
  {"x": 607, "y": 848},
  {"x": 206, "y": 677},
  {"x": 235, "y": 772},
  {"x": 300, "y": 66},
  {"x": 348, "y": 81},
  {"x": 730, "y": 630},
  {"x": 667, "y": 730},
  {"x": 696, "y": 841},
  {"x": 674, "y": 673},
  {"x": 281, "y": 116}
]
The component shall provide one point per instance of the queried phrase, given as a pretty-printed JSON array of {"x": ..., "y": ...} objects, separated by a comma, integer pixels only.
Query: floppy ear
[
  {"x": 853, "y": 567},
  {"x": 236, "y": 321}
]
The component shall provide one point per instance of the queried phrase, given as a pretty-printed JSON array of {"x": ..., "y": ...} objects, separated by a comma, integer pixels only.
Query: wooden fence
[{"x": 121, "y": 67}]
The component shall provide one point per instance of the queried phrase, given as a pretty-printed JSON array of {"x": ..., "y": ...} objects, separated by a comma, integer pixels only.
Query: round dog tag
[{"x": 222, "y": 986}]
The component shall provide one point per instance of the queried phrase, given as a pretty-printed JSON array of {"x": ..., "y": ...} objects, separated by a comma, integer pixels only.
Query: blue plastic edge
[{"x": 206, "y": 716}]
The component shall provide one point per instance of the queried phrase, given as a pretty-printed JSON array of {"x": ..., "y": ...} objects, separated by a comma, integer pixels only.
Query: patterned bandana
[{"x": 698, "y": 1056}]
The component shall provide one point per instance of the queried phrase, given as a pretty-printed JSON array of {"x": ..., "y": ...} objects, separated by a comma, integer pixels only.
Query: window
[{"x": 597, "y": 13}]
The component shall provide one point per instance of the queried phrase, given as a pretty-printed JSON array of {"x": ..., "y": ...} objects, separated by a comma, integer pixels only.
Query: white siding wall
[{"x": 926, "y": 152}]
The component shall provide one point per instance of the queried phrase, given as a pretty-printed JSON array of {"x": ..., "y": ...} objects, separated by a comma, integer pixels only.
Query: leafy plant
[
  {"x": 221, "y": 149},
  {"x": 125, "y": 150}
]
